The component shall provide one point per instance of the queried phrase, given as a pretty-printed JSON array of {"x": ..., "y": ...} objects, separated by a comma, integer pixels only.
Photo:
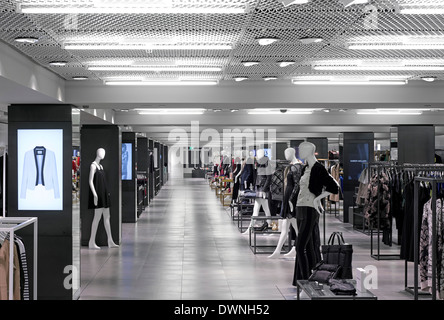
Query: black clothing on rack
[{"x": 292, "y": 176}]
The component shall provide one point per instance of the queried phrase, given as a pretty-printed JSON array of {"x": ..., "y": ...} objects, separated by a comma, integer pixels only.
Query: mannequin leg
[
  {"x": 106, "y": 222},
  {"x": 292, "y": 252},
  {"x": 256, "y": 208},
  {"x": 94, "y": 226},
  {"x": 265, "y": 205},
  {"x": 283, "y": 237}
]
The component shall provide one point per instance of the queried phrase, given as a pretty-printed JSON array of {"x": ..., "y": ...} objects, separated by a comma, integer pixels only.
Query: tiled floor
[{"x": 186, "y": 247}]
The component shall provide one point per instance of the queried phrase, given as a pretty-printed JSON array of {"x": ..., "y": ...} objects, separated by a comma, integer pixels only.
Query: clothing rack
[
  {"x": 11, "y": 225},
  {"x": 377, "y": 167},
  {"x": 433, "y": 182}
]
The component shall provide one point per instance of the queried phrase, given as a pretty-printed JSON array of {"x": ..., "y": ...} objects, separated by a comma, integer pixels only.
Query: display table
[
  {"x": 317, "y": 291},
  {"x": 268, "y": 231}
]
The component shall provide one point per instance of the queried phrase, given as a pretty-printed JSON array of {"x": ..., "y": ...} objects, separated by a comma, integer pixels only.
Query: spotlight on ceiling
[
  {"x": 250, "y": 63},
  {"x": 58, "y": 63},
  {"x": 348, "y": 3},
  {"x": 269, "y": 78},
  {"x": 80, "y": 78},
  {"x": 429, "y": 78},
  {"x": 284, "y": 64},
  {"x": 310, "y": 40},
  {"x": 239, "y": 79},
  {"x": 28, "y": 40},
  {"x": 287, "y": 3},
  {"x": 265, "y": 41}
]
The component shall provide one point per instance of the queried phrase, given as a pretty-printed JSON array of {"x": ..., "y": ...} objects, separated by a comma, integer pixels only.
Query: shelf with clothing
[{"x": 15, "y": 259}]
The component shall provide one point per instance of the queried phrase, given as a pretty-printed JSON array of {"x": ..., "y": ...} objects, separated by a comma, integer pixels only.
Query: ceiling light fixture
[
  {"x": 377, "y": 68},
  {"x": 118, "y": 46},
  {"x": 58, "y": 63},
  {"x": 250, "y": 63},
  {"x": 190, "y": 69},
  {"x": 239, "y": 79},
  {"x": 278, "y": 111},
  {"x": 269, "y": 78},
  {"x": 234, "y": 110},
  {"x": 429, "y": 78},
  {"x": 399, "y": 46},
  {"x": 79, "y": 78},
  {"x": 425, "y": 8},
  {"x": 310, "y": 40},
  {"x": 287, "y": 3},
  {"x": 169, "y": 111},
  {"x": 284, "y": 64},
  {"x": 27, "y": 40},
  {"x": 348, "y": 3},
  {"x": 161, "y": 83},
  {"x": 391, "y": 111},
  {"x": 265, "y": 41},
  {"x": 351, "y": 83}
]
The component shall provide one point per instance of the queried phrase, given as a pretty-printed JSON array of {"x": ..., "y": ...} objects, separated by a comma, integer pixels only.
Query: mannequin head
[
  {"x": 101, "y": 153},
  {"x": 307, "y": 150},
  {"x": 251, "y": 154},
  {"x": 290, "y": 154},
  {"x": 260, "y": 153}
]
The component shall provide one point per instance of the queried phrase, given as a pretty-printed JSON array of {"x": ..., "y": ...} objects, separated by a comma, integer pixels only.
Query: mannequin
[
  {"x": 292, "y": 177},
  {"x": 315, "y": 184},
  {"x": 236, "y": 172},
  {"x": 99, "y": 200},
  {"x": 263, "y": 181}
]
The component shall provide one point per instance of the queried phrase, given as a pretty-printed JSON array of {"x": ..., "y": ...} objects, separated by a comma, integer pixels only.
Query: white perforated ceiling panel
[{"x": 379, "y": 22}]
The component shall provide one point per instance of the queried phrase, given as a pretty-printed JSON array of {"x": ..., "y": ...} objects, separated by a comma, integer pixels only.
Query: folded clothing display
[
  {"x": 247, "y": 194},
  {"x": 342, "y": 287}
]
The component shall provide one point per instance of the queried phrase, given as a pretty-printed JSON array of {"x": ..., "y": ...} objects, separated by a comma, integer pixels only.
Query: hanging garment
[
  {"x": 101, "y": 187},
  {"x": 335, "y": 174},
  {"x": 4, "y": 272},
  {"x": 277, "y": 181},
  {"x": 24, "y": 280},
  {"x": 426, "y": 249},
  {"x": 377, "y": 201},
  {"x": 363, "y": 186},
  {"x": 40, "y": 168},
  {"x": 292, "y": 177},
  {"x": 247, "y": 175},
  {"x": 263, "y": 177},
  {"x": 235, "y": 194}
]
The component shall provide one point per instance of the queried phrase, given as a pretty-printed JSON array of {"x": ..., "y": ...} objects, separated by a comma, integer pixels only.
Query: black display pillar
[
  {"x": 129, "y": 177},
  {"x": 43, "y": 132},
  {"x": 142, "y": 161},
  {"x": 280, "y": 150},
  {"x": 416, "y": 144},
  {"x": 321, "y": 147},
  {"x": 358, "y": 152},
  {"x": 151, "y": 170},
  {"x": 165, "y": 163},
  {"x": 108, "y": 137}
]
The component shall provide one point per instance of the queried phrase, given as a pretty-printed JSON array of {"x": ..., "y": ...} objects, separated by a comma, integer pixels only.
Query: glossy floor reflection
[{"x": 186, "y": 247}]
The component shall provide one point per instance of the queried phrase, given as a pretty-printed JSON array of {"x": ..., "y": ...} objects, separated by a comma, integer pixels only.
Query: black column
[
  {"x": 358, "y": 151},
  {"x": 32, "y": 129},
  {"x": 151, "y": 170},
  {"x": 321, "y": 147},
  {"x": 129, "y": 177},
  {"x": 143, "y": 161},
  {"x": 416, "y": 144},
  {"x": 108, "y": 137}
]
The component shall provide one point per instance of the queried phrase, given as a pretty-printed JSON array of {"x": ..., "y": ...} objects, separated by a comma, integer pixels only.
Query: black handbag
[
  {"x": 323, "y": 272},
  {"x": 340, "y": 254}
]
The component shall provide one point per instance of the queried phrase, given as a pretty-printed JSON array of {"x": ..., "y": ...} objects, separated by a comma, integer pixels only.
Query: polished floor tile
[{"x": 186, "y": 247}]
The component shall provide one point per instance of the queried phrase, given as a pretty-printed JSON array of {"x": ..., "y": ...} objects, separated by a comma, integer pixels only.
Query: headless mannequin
[
  {"x": 99, "y": 211},
  {"x": 290, "y": 154},
  {"x": 259, "y": 201},
  {"x": 308, "y": 242}
]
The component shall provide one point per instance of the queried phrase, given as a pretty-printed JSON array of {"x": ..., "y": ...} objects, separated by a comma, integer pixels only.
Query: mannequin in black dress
[
  {"x": 99, "y": 200},
  {"x": 292, "y": 176}
]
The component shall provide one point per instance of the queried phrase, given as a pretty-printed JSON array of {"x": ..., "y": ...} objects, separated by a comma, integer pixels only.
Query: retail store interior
[{"x": 158, "y": 107}]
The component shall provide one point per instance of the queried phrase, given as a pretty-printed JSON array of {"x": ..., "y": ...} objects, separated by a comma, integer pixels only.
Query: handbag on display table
[{"x": 339, "y": 254}]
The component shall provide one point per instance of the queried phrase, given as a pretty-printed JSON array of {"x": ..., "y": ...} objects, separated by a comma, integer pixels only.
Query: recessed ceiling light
[
  {"x": 268, "y": 78},
  {"x": 310, "y": 40},
  {"x": 30, "y": 40},
  {"x": 234, "y": 110},
  {"x": 265, "y": 41},
  {"x": 287, "y": 3},
  {"x": 326, "y": 110},
  {"x": 348, "y": 3},
  {"x": 79, "y": 78},
  {"x": 284, "y": 64},
  {"x": 239, "y": 79},
  {"x": 58, "y": 63},
  {"x": 429, "y": 79},
  {"x": 217, "y": 110},
  {"x": 250, "y": 63}
]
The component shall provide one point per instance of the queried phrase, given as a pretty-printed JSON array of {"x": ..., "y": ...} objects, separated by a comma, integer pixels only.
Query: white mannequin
[
  {"x": 99, "y": 211},
  {"x": 307, "y": 153},
  {"x": 290, "y": 155},
  {"x": 259, "y": 202}
]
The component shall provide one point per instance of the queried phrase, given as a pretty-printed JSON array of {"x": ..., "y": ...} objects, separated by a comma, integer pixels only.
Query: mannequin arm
[
  {"x": 92, "y": 171},
  {"x": 317, "y": 202}
]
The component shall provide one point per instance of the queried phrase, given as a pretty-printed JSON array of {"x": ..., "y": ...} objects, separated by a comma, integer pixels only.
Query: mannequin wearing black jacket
[{"x": 315, "y": 184}]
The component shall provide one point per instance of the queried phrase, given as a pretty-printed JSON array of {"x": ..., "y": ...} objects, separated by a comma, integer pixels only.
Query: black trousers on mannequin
[{"x": 308, "y": 243}]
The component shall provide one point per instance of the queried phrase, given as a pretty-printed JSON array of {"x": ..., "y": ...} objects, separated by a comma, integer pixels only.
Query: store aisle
[{"x": 185, "y": 247}]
